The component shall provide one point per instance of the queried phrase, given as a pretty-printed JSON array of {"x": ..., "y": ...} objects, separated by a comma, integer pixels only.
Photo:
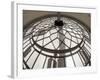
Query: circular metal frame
[{"x": 53, "y": 51}]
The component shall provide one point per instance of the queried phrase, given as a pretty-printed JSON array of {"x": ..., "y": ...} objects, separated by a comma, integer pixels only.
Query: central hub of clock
[{"x": 59, "y": 23}]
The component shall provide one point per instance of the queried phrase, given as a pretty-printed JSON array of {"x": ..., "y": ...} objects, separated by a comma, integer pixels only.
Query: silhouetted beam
[
  {"x": 49, "y": 63},
  {"x": 54, "y": 64}
]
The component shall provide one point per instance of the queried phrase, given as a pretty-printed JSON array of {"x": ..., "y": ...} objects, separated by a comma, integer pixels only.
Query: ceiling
[{"x": 29, "y": 15}]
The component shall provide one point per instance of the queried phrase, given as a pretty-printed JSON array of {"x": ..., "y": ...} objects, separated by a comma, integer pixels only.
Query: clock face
[{"x": 55, "y": 41}]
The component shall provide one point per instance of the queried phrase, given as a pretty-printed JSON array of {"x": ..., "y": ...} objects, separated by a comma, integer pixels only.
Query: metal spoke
[{"x": 72, "y": 55}]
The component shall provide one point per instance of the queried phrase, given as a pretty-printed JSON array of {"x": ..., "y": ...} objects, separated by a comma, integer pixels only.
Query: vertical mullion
[
  {"x": 88, "y": 53},
  {"x": 79, "y": 54},
  {"x": 30, "y": 56},
  {"x": 44, "y": 62},
  {"x": 70, "y": 47},
  {"x": 37, "y": 56},
  {"x": 31, "y": 53},
  {"x": 65, "y": 62},
  {"x": 80, "y": 58},
  {"x": 71, "y": 53},
  {"x": 35, "y": 60}
]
